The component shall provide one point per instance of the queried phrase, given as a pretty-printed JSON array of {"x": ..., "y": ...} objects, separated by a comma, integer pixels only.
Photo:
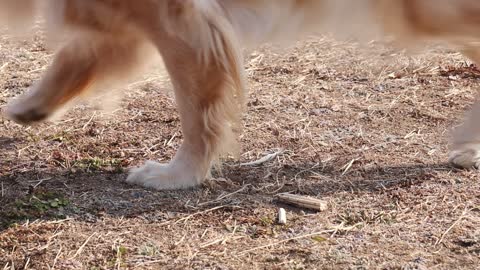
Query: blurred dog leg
[
  {"x": 81, "y": 63},
  {"x": 465, "y": 152}
]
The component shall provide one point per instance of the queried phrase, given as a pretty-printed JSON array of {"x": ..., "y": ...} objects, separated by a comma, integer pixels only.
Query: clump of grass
[
  {"x": 120, "y": 253},
  {"x": 368, "y": 217},
  {"x": 149, "y": 250},
  {"x": 38, "y": 204},
  {"x": 95, "y": 164}
]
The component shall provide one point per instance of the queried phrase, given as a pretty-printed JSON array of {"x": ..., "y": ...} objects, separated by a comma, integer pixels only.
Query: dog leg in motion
[
  {"x": 82, "y": 62},
  {"x": 465, "y": 151}
]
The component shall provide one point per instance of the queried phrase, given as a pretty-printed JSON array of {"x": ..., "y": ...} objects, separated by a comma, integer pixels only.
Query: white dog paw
[
  {"x": 467, "y": 157},
  {"x": 163, "y": 177}
]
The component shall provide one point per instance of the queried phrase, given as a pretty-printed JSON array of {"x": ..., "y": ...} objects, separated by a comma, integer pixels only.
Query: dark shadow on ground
[
  {"x": 88, "y": 196},
  {"x": 313, "y": 179}
]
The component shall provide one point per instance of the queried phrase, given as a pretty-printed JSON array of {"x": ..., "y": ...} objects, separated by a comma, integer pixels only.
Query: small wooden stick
[
  {"x": 282, "y": 216},
  {"x": 303, "y": 201}
]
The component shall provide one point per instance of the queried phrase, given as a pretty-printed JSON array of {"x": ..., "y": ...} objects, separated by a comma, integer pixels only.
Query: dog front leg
[{"x": 208, "y": 96}]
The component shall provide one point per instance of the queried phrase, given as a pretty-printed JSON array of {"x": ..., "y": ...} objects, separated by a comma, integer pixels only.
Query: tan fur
[{"x": 201, "y": 42}]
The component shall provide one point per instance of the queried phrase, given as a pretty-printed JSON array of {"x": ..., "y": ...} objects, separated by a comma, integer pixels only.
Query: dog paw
[
  {"x": 163, "y": 177},
  {"x": 467, "y": 157},
  {"x": 25, "y": 113}
]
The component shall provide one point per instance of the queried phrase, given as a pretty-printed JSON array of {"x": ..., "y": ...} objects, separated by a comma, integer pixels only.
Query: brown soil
[{"x": 365, "y": 128}]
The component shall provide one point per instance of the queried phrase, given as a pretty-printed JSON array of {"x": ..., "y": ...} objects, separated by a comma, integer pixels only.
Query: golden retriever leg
[
  {"x": 207, "y": 100},
  {"x": 82, "y": 62},
  {"x": 465, "y": 151}
]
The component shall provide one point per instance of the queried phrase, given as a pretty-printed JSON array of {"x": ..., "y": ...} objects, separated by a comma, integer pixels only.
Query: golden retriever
[{"x": 201, "y": 44}]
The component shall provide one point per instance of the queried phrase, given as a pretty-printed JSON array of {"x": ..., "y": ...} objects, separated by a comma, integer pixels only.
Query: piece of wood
[
  {"x": 264, "y": 159},
  {"x": 282, "y": 216},
  {"x": 303, "y": 201}
]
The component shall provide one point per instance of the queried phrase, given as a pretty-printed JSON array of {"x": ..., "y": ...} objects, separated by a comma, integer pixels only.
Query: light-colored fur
[{"x": 201, "y": 41}]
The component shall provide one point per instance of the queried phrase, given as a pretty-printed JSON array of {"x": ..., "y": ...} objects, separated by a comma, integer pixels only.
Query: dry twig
[
  {"x": 303, "y": 201},
  {"x": 80, "y": 249},
  {"x": 264, "y": 159}
]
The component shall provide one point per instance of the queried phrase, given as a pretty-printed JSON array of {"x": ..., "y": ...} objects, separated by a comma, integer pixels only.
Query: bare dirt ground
[{"x": 365, "y": 128}]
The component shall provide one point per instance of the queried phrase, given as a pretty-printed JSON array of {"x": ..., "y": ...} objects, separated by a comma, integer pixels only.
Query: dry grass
[{"x": 364, "y": 128}]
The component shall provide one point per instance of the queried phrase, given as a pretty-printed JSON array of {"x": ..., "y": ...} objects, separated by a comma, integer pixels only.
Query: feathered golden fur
[{"x": 200, "y": 42}]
